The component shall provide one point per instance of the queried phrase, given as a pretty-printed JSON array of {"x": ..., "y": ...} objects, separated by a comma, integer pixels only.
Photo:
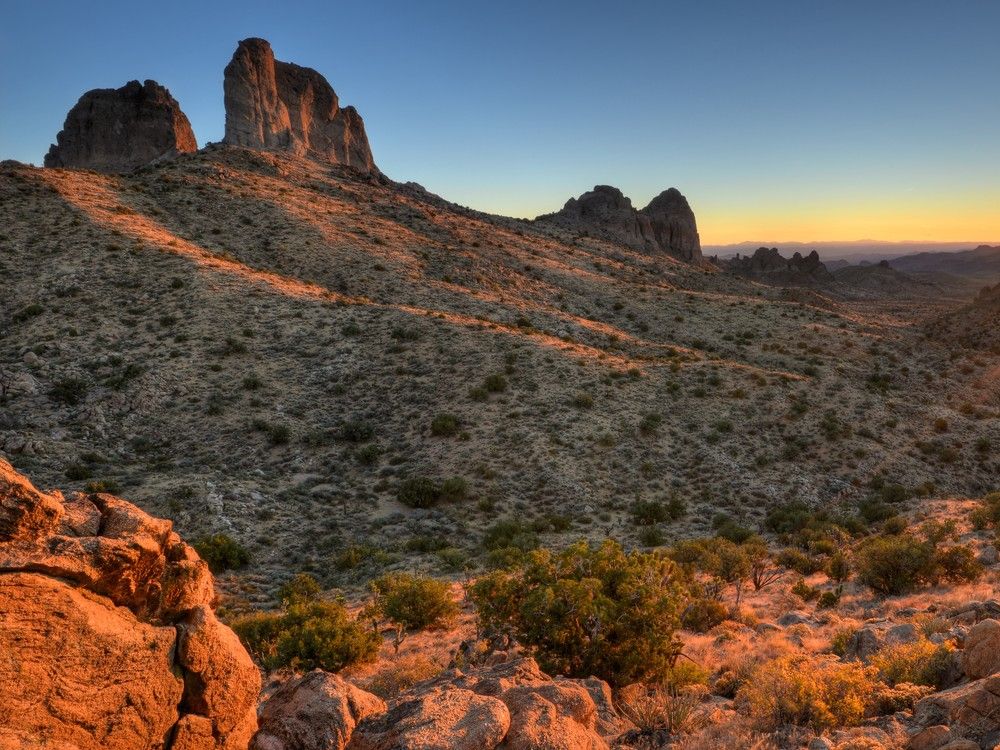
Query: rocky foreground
[{"x": 110, "y": 641}]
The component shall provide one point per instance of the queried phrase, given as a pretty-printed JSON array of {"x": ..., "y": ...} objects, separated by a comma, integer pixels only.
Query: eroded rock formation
[
  {"x": 277, "y": 105},
  {"x": 666, "y": 225},
  {"x": 107, "y": 631},
  {"x": 117, "y": 130},
  {"x": 770, "y": 266}
]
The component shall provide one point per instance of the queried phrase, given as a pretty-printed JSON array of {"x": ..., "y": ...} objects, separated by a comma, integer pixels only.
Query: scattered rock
[
  {"x": 117, "y": 130},
  {"x": 277, "y": 105}
]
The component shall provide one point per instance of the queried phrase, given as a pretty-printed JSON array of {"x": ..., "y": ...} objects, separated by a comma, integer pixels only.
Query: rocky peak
[
  {"x": 277, "y": 105},
  {"x": 666, "y": 225},
  {"x": 673, "y": 224},
  {"x": 117, "y": 130}
]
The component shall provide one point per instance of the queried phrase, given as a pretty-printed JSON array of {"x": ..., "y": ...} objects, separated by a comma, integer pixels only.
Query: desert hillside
[{"x": 282, "y": 350}]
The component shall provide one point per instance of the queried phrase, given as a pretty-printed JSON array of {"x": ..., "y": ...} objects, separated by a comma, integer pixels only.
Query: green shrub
[
  {"x": 355, "y": 431},
  {"x": 919, "y": 663},
  {"x": 807, "y": 691},
  {"x": 495, "y": 383},
  {"x": 69, "y": 391},
  {"x": 418, "y": 492},
  {"x": 958, "y": 565},
  {"x": 306, "y": 636},
  {"x": 413, "y": 602},
  {"x": 701, "y": 615},
  {"x": 301, "y": 589},
  {"x": 509, "y": 533},
  {"x": 589, "y": 610},
  {"x": 892, "y": 565},
  {"x": 445, "y": 425},
  {"x": 222, "y": 553},
  {"x": 453, "y": 489}
]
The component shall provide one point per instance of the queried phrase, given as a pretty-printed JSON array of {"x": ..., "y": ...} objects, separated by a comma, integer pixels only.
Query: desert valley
[{"x": 294, "y": 456}]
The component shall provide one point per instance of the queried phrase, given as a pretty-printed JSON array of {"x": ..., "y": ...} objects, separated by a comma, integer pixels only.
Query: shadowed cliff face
[
  {"x": 117, "y": 130},
  {"x": 276, "y": 105}
]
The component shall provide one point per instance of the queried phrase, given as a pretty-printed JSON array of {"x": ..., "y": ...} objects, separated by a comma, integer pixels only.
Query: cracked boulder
[{"x": 107, "y": 635}]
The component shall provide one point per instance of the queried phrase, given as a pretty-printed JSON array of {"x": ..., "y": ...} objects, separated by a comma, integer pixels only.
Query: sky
[{"x": 779, "y": 120}]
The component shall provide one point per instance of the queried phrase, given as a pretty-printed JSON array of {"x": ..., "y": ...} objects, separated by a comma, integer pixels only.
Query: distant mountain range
[{"x": 855, "y": 250}]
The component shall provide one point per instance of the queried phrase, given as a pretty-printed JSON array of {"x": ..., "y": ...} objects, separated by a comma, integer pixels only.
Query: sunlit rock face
[
  {"x": 107, "y": 633},
  {"x": 117, "y": 130},
  {"x": 667, "y": 225},
  {"x": 277, "y": 105}
]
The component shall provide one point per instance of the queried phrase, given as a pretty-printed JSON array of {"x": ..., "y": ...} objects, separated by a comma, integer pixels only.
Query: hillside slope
[{"x": 267, "y": 342}]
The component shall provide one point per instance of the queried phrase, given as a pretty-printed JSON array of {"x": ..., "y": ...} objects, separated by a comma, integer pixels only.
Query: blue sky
[{"x": 797, "y": 120}]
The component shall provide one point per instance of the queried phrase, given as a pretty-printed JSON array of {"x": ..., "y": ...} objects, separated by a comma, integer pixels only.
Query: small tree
[
  {"x": 589, "y": 610},
  {"x": 409, "y": 603}
]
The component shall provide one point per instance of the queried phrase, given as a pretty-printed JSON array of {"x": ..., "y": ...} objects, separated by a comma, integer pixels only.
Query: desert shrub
[
  {"x": 830, "y": 599},
  {"x": 838, "y": 567},
  {"x": 889, "y": 699},
  {"x": 368, "y": 455},
  {"x": 589, "y": 610},
  {"x": 453, "y": 489},
  {"x": 799, "y": 561},
  {"x": 649, "y": 512},
  {"x": 418, "y": 492},
  {"x": 306, "y": 636},
  {"x": 355, "y": 431},
  {"x": 806, "y": 691},
  {"x": 729, "y": 529},
  {"x": 510, "y": 533},
  {"x": 222, "y": 553},
  {"x": 655, "y": 708},
  {"x": 495, "y": 383},
  {"x": 78, "y": 472},
  {"x": 893, "y": 565},
  {"x": 582, "y": 400},
  {"x": 69, "y": 391},
  {"x": 414, "y": 602},
  {"x": 875, "y": 511},
  {"x": 444, "y": 425},
  {"x": 804, "y": 591},
  {"x": 651, "y": 536},
  {"x": 703, "y": 614},
  {"x": 957, "y": 564},
  {"x": 987, "y": 515},
  {"x": 919, "y": 663},
  {"x": 300, "y": 589}
]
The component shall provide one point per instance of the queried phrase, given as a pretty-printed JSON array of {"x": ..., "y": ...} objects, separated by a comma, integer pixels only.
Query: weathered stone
[
  {"x": 117, "y": 130},
  {"x": 79, "y": 672},
  {"x": 277, "y": 105},
  {"x": 93, "y": 595},
  {"x": 317, "y": 711},
  {"x": 931, "y": 738},
  {"x": 971, "y": 710},
  {"x": 981, "y": 655},
  {"x": 442, "y": 718},
  {"x": 769, "y": 266}
]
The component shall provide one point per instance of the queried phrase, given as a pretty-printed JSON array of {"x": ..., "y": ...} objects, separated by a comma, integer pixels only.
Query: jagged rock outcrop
[
  {"x": 769, "y": 266},
  {"x": 666, "y": 225},
  {"x": 673, "y": 225},
  {"x": 117, "y": 130},
  {"x": 511, "y": 705},
  {"x": 107, "y": 631},
  {"x": 277, "y": 105}
]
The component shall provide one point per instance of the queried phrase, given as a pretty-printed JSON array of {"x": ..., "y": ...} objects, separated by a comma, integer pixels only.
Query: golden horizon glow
[{"x": 955, "y": 218}]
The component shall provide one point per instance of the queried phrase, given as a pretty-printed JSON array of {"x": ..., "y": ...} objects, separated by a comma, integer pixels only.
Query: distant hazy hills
[
  {"x": 855, "y": 251},
  {"x": 980, "y": 264}
]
